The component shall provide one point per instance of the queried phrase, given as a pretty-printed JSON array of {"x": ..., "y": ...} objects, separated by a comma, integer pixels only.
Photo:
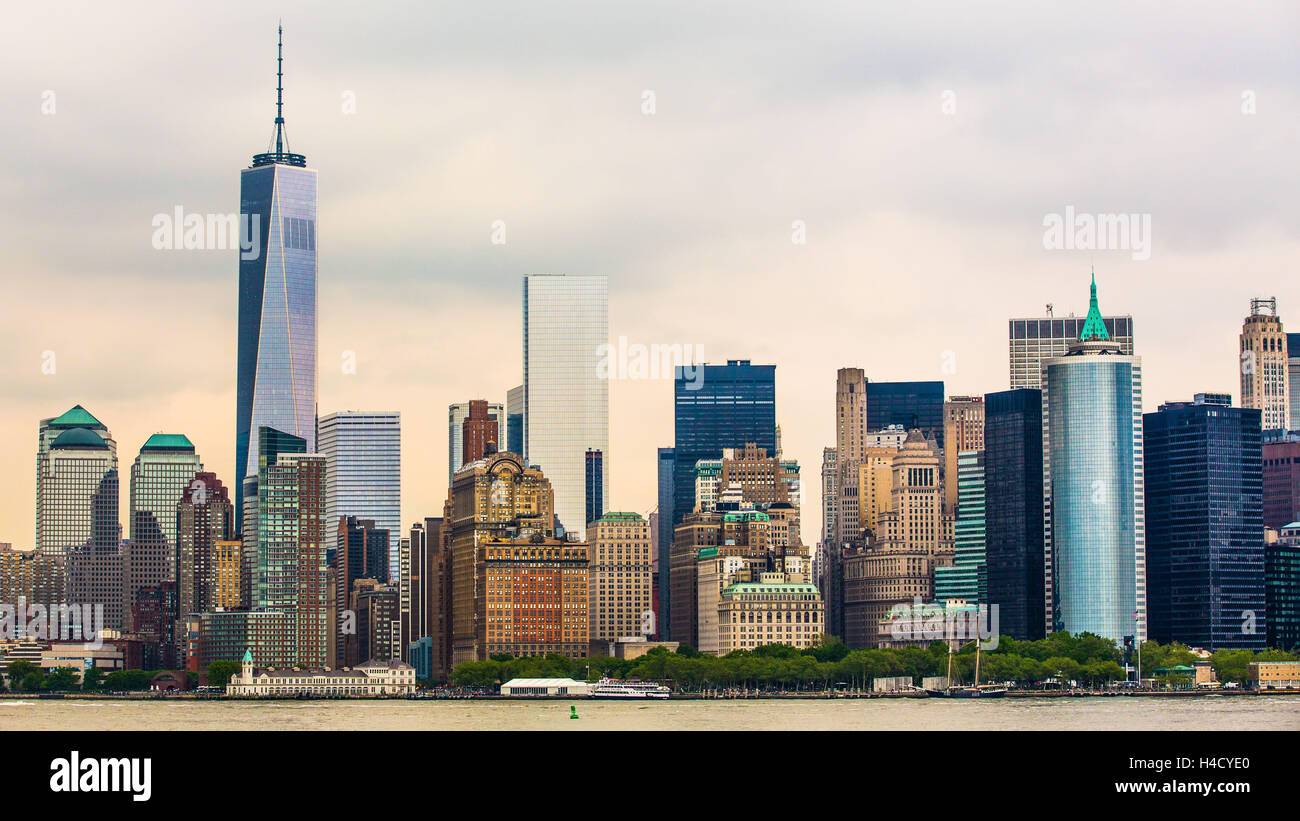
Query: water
[{"x": 1114, "y": 713}]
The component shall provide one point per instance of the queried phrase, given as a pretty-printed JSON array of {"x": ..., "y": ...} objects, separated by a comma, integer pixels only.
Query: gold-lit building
[
  {"x": 963, "y": 429},
  {"x": 226, "y": 564},
  {"x": 535, "y": 599},
  {"x": 619, "y": 575}
]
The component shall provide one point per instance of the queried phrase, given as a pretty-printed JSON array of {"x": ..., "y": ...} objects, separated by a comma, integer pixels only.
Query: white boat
[{"x": 613, "y": 688}]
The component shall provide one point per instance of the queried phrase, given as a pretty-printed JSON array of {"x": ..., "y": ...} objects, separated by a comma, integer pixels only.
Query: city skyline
[{"x": 165, "y": 365}]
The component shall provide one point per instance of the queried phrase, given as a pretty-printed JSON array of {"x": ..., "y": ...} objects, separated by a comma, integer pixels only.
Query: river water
[{"x": 1112, "y": 713}]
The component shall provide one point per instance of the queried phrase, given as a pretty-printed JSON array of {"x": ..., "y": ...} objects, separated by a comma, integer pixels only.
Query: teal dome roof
[{"x": 79, "y": 438}]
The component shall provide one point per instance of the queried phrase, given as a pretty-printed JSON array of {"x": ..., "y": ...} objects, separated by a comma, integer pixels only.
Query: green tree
[
  {"x": 220, "y": 672},
  {"x": 92, "y": 679}
]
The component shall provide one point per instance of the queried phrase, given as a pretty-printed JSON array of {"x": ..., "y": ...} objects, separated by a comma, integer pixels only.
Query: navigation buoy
[{"x": 573, "y": 711}]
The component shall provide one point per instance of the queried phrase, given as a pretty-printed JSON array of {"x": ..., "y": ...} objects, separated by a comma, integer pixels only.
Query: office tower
[
  {"x": 732, "y": 405},
  {"x": 76, "y": 484},
  {"x": 540, "y": 606},
  {"x": 154, "y": 623},
  {"x": 1204, "y": 517},
  {"x": 566, "y": 401},
  {"x": 1034, "y": 340},
  {"x": 1013, "y": 510},
  {"x": 748, "y": 475},
  {"x": 363, "y": 464},
  {"x": 291, "y": 542},
  {"x": 963, "y": 430},
  {"x": 741, "y": 609},
  {"x": 1293, "y": 380},
  {"x": 160, "y": 478},
  {"x": 701, "y": 537},
  {"x": 426, "y": 601},
  {"x": 595, "y": 485},
  {"x": 31, "y": 576},
  {"x": 1265, "y": 365},
  {"x": 618, "y": 575},
  {"x": 667, "y": 461},
  {"x": 1281, "y": 479},
  {"x": 966, "y": 578},
  {"x": 226, "y": 579},
  {"x": 378, "y": 636},
  {"x": 908, "y": 404},
  {"x": 1282, "y": 586},
  {"x": 830, "y": 501},
  {"x": 515, "y": 420},
  {"x": 271, "y": 443},
  {"x": 205, "y": 525},
  {"x": 850, "y": 443},
  {"x": 490, "y": 421},
  {"x": 361, "y": 552},
  {"x": 49, "y": 430},
  {"x": 494, "y": 498},
  {"x": 1093, "y": 540},
  {"x": 277, "y": 366}
]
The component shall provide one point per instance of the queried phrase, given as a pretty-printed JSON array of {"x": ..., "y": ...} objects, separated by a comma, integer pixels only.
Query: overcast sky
[{"x": 922, "y": 146}]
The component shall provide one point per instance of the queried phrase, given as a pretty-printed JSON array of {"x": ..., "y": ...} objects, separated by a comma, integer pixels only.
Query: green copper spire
[{"x": 1094, "y": 327}]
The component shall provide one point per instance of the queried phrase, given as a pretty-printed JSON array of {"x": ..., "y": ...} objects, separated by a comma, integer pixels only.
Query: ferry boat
[{"x": 613, "y": 688}]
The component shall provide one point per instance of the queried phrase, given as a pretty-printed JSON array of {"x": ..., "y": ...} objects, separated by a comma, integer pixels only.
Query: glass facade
[
  {"x": 1282, "y": 589},
  {"x": 566, "y": 402},
  {"x": 515, "y": 420},
  {"x": 1093, "y": 492},
  {"x": 966, "y": 578},
  {"x": 1013, "y": 510},
  {"x": 363, "y": 464},
  {"x": 1036, "y": 339},
  {"x": 595, "y": 485},
  {"x": 276, "y": 380},
  {"x": 910, "y": 404},
  {"x": 1293, "y": 379},
  {"x": 160, "y": 476},
  {"x": 667, "y": 461},
  {"x": 1205, "y": 525}
]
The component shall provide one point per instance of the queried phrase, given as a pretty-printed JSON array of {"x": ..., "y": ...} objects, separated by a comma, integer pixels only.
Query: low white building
[
  {"x": 544, "y": 687},
  {"x": 373, "y": 679}
]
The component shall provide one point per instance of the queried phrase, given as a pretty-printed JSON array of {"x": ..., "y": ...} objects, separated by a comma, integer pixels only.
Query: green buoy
[{"x": 573, "y": 711}]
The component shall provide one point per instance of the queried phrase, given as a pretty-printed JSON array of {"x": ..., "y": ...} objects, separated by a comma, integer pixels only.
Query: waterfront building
[
  {"x": 1093, "y": 537},
  {"x": 363, "y": 471},
  {"x": 536, "y": 597},
  {"x": 774, "y": 608},
  {"x": 1282, "y": 586},
  {"x": 1013, "y": 510},
  {"x": 499, "y": 498},
  {"x": 566, "y": 399},
  {"x": 225, "y": 635},
  {"x": 1034, "y": 340},
  {"x": 374, "y": 679},
  {"x": 360, "y": 552},
  {"x": 1275, "y": 675},
  {"x": 963, "y": 430},
  {"x": 1265, "y": 366},
  {"x": 1204, "y": 520},
  {"x": 470, "y": 426},
  {"x": 277, "y": 343},
  {"x": 619, "y": 581}
]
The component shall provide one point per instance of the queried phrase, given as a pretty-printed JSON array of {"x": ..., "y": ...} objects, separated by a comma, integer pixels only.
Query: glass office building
[
  {"x": 1204, "y": 524},
  {"x": 1094, "y": 541},
  {"x": 966, "y": 578},
  {"x": 515, "y": 420},
  {"x": 363, "y": 471},
  {"x": 910, "y": 404},
  {"x": 1013, "y": 510},
  {"x": 566, "y": 400},
  {"x": 666, "y": 460},
  {"x": 457, "y": 413},
  {"x": 1034, "y": 340},
  {"x": 276, "y": 371}
]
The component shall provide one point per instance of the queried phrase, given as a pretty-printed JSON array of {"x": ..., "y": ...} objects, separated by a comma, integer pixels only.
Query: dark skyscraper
[
  {"x": 1204, "y": 524},
  {"x": 276, "y": 376},
  {"x": 730, "y": 406},
  {"x": 667, "y": 458},
  {"x": 1281, "y": 479},
  {"x": 595, "y": 485},
  {"x": 910, "y": 404},
  {"x": 1013, "y": 510}
]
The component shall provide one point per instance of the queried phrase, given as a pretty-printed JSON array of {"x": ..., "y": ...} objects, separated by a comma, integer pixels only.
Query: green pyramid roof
[
  {"x": 168, "y": 441},
  {"x": 76, "y": 417},
  {"x": 1094, "y": 327},
  {"x": 248, "y": 656}
]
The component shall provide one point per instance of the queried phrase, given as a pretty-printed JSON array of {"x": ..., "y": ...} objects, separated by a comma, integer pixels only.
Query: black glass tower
[{"x": 910, "y": 404}]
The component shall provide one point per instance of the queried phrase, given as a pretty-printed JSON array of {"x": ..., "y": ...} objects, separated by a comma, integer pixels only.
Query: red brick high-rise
[{"x": 478, "y": 431}]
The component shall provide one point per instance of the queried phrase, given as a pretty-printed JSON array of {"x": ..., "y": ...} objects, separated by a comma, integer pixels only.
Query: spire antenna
[{"x": 280, "y": 139}]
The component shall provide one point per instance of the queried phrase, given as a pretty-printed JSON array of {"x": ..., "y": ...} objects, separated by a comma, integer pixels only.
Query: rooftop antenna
[{"x": 281, "y": 155}]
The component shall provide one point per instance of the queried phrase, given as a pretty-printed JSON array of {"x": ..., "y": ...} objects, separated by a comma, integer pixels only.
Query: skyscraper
[
  {"x": 850, "y": 445},
  {"x": 363, "y": 464},
  {"x": 271, "y": 443},
  {"x": 63, "y": 512},
  {"x": 489, "y": 423},
  {"x": 1293, "y": 379},
  {"x": 205, "y": 522},
  {"x": 1204, "y": 520},
  {"x": 160, "y": 477},
  {"x": 1281, "y": 479},
  {"x": 618, "y": 588},
  {"x": 1034, "y": 340},
  {"x": 360, "y": 552},
  {"x": 566, "y": 401},
  {"x": 966, "y": 578},
  {"x": 515, "y": 420},
  {"x": 292, "y": 541},
  {"x": 963, "y": 430},
  {"x": 595, "y": 485},
  {"x": 1094, "y": 543},
  {"x": 909, "y": 404},
  {"x": 1013, "y": 510},
  {"x": 667, "y": 460},
  {"x": 276, "y": 377},
  {"x": 1265, "y": 366}
]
